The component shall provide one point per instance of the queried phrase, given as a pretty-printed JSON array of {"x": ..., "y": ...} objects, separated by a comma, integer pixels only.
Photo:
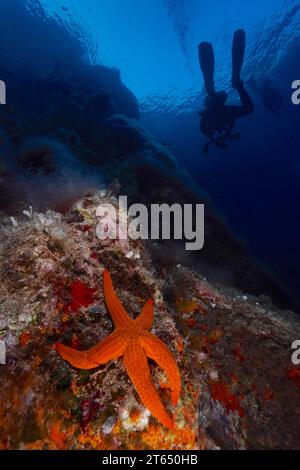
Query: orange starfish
[{"x": 132, "y": 341}]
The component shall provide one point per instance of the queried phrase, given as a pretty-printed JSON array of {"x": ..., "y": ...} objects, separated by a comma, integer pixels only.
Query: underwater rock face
[
  {"x": 78, "y": 126},
  {"x": 98, "y": 77},
  {"x": 64, "y": 135},
  {"x": 52, "y": 170},
  {"x": 239, "y": 388}
]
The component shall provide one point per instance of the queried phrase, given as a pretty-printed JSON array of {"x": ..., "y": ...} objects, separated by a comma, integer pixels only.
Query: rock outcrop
[{"x": 239, "y": 387}]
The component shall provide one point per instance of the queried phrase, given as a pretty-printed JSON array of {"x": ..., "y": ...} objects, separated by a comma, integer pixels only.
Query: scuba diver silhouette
[
  {"x": 218, "y": 118},
  {"x": 271, "y": 95}
]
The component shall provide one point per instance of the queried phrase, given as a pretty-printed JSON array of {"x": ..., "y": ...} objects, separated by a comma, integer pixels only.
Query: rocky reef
[{"x": 239, "y": 388}]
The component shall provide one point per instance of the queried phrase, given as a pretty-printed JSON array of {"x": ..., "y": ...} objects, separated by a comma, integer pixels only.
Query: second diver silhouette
[
  {"x": 271, "y": 95},
  {"x": 218, "y": 118}
]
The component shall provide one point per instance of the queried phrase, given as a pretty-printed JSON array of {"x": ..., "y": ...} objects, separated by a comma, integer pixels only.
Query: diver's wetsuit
[{"x": 221, "y": 118}]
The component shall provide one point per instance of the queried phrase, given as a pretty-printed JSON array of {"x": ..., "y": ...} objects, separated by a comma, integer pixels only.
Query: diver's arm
[
  {"x": 247, "y": 103},
  {"x": 204, "y": 129}
]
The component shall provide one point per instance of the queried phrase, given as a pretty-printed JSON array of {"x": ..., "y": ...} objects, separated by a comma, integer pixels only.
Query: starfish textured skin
[{"x": 131, "y": 340}]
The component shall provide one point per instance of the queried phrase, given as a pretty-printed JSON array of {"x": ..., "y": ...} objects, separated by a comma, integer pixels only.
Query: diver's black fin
[
  {"x": 238, "y": 55},
  {"x": 207, "y": 65}
]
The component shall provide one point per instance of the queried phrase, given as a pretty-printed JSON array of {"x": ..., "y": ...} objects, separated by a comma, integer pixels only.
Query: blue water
[
  {"x": 255, "y": 183},
  {"x": 153, "y": 42}
]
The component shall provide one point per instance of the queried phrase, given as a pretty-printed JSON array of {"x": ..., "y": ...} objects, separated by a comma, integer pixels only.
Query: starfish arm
[
  {"x": 78, "y": 359},
  {"x": 145, "y": 318},
  {"x": 158, "y": 351},
  {"x": 112, "y": 347},
  {"x": 136, "y": 365},
  {"x": 114, "y": 306}
]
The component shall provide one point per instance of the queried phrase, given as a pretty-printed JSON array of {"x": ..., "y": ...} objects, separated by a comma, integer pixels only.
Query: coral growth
[{"x": 233, "y": 351}]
